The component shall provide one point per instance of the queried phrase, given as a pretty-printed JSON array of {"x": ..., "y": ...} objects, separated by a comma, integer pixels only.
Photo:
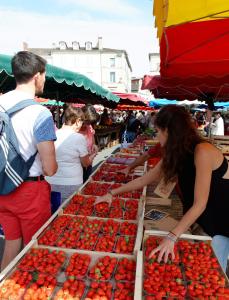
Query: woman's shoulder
[
  {"x": 207, "y": 151},
  {"x": 205, "y": 147}
]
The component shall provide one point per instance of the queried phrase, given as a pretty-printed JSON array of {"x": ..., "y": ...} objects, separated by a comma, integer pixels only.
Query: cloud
[
  {"x": 114, "y": 7},
  {"x": 42, "y": 31}
]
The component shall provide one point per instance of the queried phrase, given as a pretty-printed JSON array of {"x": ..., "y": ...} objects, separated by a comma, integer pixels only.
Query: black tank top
[{"x": 215, "y": 219}]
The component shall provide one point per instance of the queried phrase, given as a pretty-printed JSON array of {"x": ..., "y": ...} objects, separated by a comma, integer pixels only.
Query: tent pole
[
  {"x": 210, "y": 109},
  {"x": 58, "y": 110}
]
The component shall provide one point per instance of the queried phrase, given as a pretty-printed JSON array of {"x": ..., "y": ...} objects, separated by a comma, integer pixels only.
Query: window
[
  {"x": 112, "y": 76},
  {"x": 112, "y": 62}
]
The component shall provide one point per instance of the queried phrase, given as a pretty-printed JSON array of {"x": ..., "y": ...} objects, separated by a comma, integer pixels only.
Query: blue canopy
[{"x": 157, "y": 103}]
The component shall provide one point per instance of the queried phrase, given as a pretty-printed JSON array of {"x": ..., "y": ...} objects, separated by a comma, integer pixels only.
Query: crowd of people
[{"x": 63, "y": 157}]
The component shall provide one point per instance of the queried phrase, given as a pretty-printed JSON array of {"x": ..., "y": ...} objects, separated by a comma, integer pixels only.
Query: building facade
[
  {"x": 110, "y": 68},
  {"x": 154, "y": 63}
]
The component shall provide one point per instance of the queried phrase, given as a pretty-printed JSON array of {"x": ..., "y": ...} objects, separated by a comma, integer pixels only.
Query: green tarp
[{"x": 62, "y": 85}]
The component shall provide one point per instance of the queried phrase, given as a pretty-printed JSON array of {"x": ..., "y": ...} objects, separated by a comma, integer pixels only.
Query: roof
[{"x": 49, "y": 51}]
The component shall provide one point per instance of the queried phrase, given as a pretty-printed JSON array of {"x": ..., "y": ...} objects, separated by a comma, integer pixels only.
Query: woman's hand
[
  {"x": 95, "y": 149},
  {"x": 106, "y": 198},
  {"x": 165, "y": 249}
]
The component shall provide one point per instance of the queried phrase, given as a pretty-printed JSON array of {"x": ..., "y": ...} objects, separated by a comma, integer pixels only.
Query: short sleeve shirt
[
  {"x": 32, "y": 125},
  {"x": 70, "y": 147}
]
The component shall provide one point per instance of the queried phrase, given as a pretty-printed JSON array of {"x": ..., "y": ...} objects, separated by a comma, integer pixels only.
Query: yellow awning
[{"x": 173, "y": 12}]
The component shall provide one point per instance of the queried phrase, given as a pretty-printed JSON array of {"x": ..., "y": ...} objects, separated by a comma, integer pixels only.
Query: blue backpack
[{"x": 13, "y": 168}]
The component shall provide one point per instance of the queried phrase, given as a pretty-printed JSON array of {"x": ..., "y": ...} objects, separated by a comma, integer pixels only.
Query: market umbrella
[
  {"x": 190, "y": 88},
  {"x": 194, "y": 37},
  {"x": 195, "y": 49},
  {"x": 131, "y": 99},
  {"x": 62, "y": 85},
  {"x": 157, "y": 103},
  {"x": 173, "y": 12},
  {"x": 133, "y": 107}
]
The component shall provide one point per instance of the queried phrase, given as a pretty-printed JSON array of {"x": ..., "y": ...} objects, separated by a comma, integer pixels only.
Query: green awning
[{"x": 62, "y": 85}]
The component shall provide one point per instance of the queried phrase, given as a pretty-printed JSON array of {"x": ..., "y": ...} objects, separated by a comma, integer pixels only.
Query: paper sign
[
  {"x": 164, "y": 190},
  {"x": 155, "y": 215}
]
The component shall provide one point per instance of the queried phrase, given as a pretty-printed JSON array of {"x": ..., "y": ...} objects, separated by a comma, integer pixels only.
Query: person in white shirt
[
  {"x": 27, "y": 208},
  {"x": 218, "y": 125},
  {"x": 71, "y": 154}
]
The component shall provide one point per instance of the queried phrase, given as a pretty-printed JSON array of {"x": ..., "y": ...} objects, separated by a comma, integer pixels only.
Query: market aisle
[{"x": 104, "y": 154}]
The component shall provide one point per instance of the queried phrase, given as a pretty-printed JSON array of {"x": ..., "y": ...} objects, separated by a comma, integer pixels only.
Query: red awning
[
  {"x": 195, "y": 49},
  {"x": 133, "y": 107},
  {"x": 190, "y": 88},
  {"x": 131, "y": 99}
]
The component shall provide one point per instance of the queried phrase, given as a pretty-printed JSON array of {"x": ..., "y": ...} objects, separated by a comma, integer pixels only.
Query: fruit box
[
  {"x": 184, "y": 282},
  {"x": 78, "y": 233},
  {"x": 101, "y": 267},
  {"x": 74, "y": 207},
  {"x": 101, "y": 188}
]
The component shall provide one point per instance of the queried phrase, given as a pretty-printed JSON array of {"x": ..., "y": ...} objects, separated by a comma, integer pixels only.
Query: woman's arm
[
  {"x": 152, "y": 175},
  {"x": 204, "y": 159},
  {"x": 87, "y": 160}
]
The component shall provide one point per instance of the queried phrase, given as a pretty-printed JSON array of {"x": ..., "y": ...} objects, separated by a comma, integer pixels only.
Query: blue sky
[{"x": 123, "y": 24}]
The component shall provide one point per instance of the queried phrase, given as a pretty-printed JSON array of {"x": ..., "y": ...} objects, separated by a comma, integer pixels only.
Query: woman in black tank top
[
  {"x": 201, "y": 171},
  {"x": 199, "y": 167}
]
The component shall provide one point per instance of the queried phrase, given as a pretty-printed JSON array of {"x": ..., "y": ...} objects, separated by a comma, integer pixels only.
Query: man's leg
[{"x": 11, "y": 250}]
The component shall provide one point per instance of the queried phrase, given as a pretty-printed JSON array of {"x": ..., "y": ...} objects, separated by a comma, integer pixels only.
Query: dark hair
[
  {"x": 25, "y": 65},
  {"x": 182, "y": 138},
  {"x": 90, "y": 113},
  {"x": 72, "y": 114}
]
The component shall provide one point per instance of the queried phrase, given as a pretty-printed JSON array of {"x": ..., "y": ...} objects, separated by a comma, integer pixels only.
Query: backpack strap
[{"x": 20, "y": 106}]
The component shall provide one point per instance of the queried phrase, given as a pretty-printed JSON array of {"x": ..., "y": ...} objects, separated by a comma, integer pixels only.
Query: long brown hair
[{"x": 182, "y": 138}]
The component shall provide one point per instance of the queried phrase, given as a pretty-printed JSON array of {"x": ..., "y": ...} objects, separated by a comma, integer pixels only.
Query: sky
[{"x": 123, "y": 24}]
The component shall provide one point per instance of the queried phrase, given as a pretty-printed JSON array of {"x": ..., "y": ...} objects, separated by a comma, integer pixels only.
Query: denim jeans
[
  {"x": 130, "y": 136},
  {"x": 220, "y": 245}
]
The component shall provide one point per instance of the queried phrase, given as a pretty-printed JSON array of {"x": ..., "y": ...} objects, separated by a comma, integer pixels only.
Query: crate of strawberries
[{"x": 193, "y": 274}]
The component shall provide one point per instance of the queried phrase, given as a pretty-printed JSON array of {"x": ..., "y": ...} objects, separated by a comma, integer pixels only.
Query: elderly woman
[{"x": 71, "y": 154}]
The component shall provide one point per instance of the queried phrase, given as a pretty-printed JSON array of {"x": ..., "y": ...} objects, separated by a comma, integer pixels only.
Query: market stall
[{"x": 94, "y": 252}]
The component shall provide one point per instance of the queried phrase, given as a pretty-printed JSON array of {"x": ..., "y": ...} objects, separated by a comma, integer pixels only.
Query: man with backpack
[{"x": 27, "y": 153}]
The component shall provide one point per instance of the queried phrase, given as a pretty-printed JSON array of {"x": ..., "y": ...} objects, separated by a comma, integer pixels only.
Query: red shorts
[{"x": 25, "y": 210}]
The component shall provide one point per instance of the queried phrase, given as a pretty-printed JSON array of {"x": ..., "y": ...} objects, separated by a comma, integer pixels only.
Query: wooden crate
[
  {"x": 61, "y": 277},
  {"x": 140, "y": 258}
]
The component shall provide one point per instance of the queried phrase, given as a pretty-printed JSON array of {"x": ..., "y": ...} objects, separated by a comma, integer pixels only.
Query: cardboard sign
[
  {"x": 166, "y": 224},
  {"x": 158, "y": 201},
  {"x": 164, "y": 190}
]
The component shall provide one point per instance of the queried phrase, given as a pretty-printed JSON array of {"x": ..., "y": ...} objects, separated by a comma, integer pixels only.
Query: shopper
[
  {"x": 71, "y": 154},
  {"x": 88, "y": 132},
  {"x": 203, "y": 176},
  {"x": 27, "y": 208},
  {"x": 218, "y": 125}
]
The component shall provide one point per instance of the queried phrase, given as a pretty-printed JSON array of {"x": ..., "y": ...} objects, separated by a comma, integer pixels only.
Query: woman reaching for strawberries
[{"x": 203, "y": 176}]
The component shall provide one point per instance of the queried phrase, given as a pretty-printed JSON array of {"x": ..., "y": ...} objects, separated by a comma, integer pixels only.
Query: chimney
[
  {"x": 100, "y": 43},
  {"x": 88, "y": 46},
  {"x": 25, "y": 46},
  {"x": 75, "y": 45},
  {"x": 62, "y": 45}
]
